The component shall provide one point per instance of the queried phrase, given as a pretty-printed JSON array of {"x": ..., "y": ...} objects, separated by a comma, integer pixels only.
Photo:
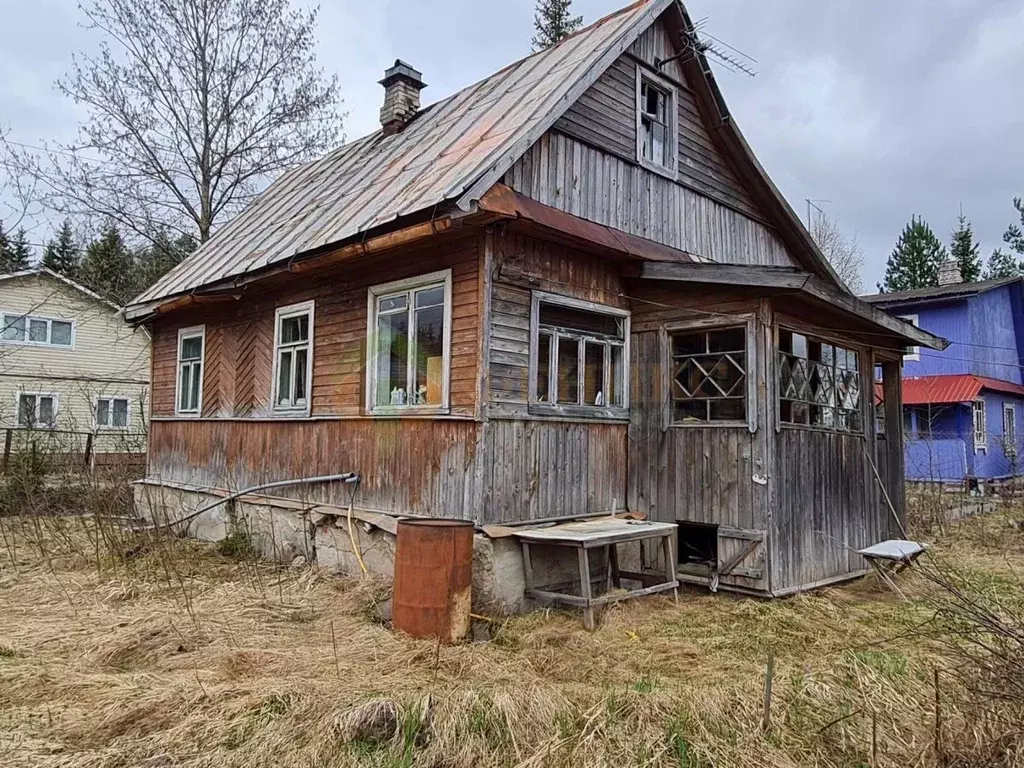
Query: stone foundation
[{"x": 283, "y": 530}]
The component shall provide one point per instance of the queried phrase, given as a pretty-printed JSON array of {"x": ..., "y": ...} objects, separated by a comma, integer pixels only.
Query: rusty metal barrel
[{"x": 433, "y": 578}]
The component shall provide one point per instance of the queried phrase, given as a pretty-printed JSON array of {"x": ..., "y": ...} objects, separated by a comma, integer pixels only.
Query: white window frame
[
  {"x": 376, "y": 292},
  {"x": 914, "y": 355},
  {"x": 672, "y": 126},
  {"x": 979, "y": 426},
  {"x": 586, "y": 411},
  {"x": 189, "y": 333},
  {"x": 110, "y": 410},
  {"x": 1010, "y": 436},
  {"x": 307, "y": 308},
  {"x": 17, "y": 408},
  {"x": 27, "y": 317}
]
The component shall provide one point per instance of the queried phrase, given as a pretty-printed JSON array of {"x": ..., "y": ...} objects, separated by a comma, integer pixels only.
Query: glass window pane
[
  {"x": 728, "y": 410},
  {"x": 689, "y": 411},
  {"x": 544, "y": 368},
  {"x": 568, "y": 371},
  {"x": 37, "y": 330},
  {"x": 393, "y": 303},
  {"x": 103, "y": 412},
  {"x": 294, "y": 329},
  {"x": 26, "y": 410},
  {"x": 571, "y": 319},
  {"x": 430, "y": 297},
  {"x": 60, "y": 333},
  {"x": 429, "y": 354},
  {"x": 689, "y": 344},
  {"x": 658, "y": 144},
  {"x": 120, "y": 412},
  {"x": 14, "y": 328},
  {"x": 191, "y": 347},
  {"x": 46, "y": 411},
  {"x": 301, "y": 385},
  {"x": 197, "y": 379},
  {"x": 284, "y": 378},
  {"x": 184, "y": 385},
  {"x": 618, "y": 376},
  {"x": 593, "y": 375},
  {"x": 392, "y": 359},
  {"x": 728, "y": 340}
]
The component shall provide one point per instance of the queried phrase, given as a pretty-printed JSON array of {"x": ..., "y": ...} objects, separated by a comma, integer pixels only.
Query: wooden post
[
  {"x": 938, "y": 717},
  {"x": 588, "y": 610},
  {"x": 893, "y": 394},
  {"x": 766, "y": 717},
  {"x": 7, "y": 449}
]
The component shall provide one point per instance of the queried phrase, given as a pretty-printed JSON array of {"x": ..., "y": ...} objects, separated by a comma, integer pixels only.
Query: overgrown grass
[{"x": 117, "y": 647}]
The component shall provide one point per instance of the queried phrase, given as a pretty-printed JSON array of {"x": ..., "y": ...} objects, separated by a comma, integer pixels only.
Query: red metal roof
[{"x": 959, "y": 388}]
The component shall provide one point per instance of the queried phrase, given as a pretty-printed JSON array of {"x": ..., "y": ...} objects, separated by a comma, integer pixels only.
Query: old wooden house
[{"x": 567, "y": 290}]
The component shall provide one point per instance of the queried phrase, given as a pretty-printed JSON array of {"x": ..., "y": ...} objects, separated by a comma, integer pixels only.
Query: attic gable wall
[{"x": 586, "y": 165}]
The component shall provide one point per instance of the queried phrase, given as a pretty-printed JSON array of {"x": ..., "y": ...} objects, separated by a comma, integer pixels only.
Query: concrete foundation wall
[{"x": 283, "y": 531}]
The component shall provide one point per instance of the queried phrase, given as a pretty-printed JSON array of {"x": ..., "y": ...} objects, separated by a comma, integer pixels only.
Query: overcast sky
[{"x": 886, "y": 109}]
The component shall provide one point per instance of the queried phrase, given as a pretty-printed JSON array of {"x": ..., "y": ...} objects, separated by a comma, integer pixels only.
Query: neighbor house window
[
  {"x": 819, "y": 383},
  {"x": 112, "y": 412},
  {"x": 1009, "y": 430},
  {"x": 980, "y": 425},
  {"x": 37, "y": 331},
  {"x": 410, "y": 343},
  {"x": 913, "y": 353},
  {"x": 191, "y": 344},
  {"x": 37, "y": 410},
  {"x": 578, "y": 353},
  {"x": 293, "y": 357},
  {"x": 709, "y": 375},
  {"x": 656, "y": 121}
]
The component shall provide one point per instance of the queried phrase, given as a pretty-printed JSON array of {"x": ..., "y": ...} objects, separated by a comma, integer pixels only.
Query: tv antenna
[
  {"x": 813, "y": 203},
  {"x": 699, "y": 41}
]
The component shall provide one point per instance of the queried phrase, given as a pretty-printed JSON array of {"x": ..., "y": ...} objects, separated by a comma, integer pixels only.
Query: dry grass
[{"x": 121, "y": 652}]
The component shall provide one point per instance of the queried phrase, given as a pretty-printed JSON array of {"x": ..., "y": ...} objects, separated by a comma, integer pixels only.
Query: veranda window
[
  {"x": 819, "y": 383},
  {"x": 410, "y": 343},
  {"x": 709, "y": 375},
  {"x": 293, "y": 357},
  {"x": 191, "y": 343},
  {"x": 579, "y": 354}
]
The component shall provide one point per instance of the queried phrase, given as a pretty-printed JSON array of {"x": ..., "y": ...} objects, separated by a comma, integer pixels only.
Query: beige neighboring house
[{"x": 70, "y": 366}]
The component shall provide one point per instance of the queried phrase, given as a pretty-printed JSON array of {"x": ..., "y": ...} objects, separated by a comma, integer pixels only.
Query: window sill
[
  {"x": 590, "y": 412},
  {"x": 290, "y": 413},
  {"x": 187, "y": 414},
  {"x": 824, "y": 430},
  {"x": 744, "y": 425},
  {"x": 408, "y": 410},
  {"x": 661, "y": 170}
]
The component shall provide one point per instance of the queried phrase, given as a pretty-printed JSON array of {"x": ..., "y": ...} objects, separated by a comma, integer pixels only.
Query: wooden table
[
  {"x": 892, "y": 556},
  {"x": 606, "y": 534}
]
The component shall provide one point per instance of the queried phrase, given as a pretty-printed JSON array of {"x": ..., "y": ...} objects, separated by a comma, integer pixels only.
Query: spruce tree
[
  {"x": 965, "y": 251},
  {"x": 161, "y": 256},
  {"x": 5, "y": 249},
  {"x": 61, "y": 254},
  {"x": 554, "y": 22},
  {"x": 1001, "y": 264},
  {"x": 1014, "y": 234},
  {"x": 914, "y": 262},
  {"x": 109, "y": 266},
  {"x": 16, "y": 252}
]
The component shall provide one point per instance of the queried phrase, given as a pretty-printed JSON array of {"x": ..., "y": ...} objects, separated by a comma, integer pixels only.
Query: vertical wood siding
[
  {"x": 420, "y": 466},
  {"x": 574, "y": 177},
  {"x": 240, "y": 336}
]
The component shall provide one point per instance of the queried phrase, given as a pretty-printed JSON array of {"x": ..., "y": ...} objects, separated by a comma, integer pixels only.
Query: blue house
[{"x": 963, "y": 408}]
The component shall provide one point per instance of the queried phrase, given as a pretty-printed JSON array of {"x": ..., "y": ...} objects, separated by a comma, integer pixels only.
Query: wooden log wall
[
  {"x": 426, "y": 467},
  {"x": 240, "y": 336}
]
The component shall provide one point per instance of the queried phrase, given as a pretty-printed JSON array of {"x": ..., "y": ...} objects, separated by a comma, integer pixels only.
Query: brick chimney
[
  {"x": 949, "y": 273},
  {"x": 402, "y": 86}
]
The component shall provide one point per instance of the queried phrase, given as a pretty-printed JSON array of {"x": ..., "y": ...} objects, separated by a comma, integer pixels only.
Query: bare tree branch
[
  {"x": 192, "y": 106},
  {"x": 842, "y": 251}
]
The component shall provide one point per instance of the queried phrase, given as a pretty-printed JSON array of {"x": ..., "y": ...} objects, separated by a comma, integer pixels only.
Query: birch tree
[{"x": 842, "y": 251}]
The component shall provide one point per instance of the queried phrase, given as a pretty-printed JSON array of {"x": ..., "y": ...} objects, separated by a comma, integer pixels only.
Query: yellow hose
[{"x": 352, "y": 539}]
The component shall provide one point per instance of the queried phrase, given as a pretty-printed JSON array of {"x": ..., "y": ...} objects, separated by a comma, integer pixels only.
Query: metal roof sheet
[
  {"x": 434, "y": 160},
  {"x": 956, "y": 388},
  {"x": 956, "y": 290}
]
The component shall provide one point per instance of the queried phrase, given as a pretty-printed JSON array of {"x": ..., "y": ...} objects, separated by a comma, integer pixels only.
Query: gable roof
[
  {"x": 49, "y": 273},
  {"x": 953, "y": 388},
  {"x": 446, "y": 159},
  {"x": 939, "y": 292}
]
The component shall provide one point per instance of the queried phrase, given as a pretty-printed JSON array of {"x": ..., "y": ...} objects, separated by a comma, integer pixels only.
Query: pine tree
[
  {"x": 553, "y": 21},
  {"x": 1001, "y": 264},
  {"x": 965, "y": 251},
  {"x": 915, "y": 261},
  {"x": 109, "y": 266},
  {"x": 1014, "y": 234},
  {"x": 15, "y": 252},
  {"x": 61, "y": 254}
]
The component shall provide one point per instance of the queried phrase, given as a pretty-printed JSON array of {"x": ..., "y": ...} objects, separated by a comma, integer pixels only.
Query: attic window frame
[{"x": 671, "y": 126}]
